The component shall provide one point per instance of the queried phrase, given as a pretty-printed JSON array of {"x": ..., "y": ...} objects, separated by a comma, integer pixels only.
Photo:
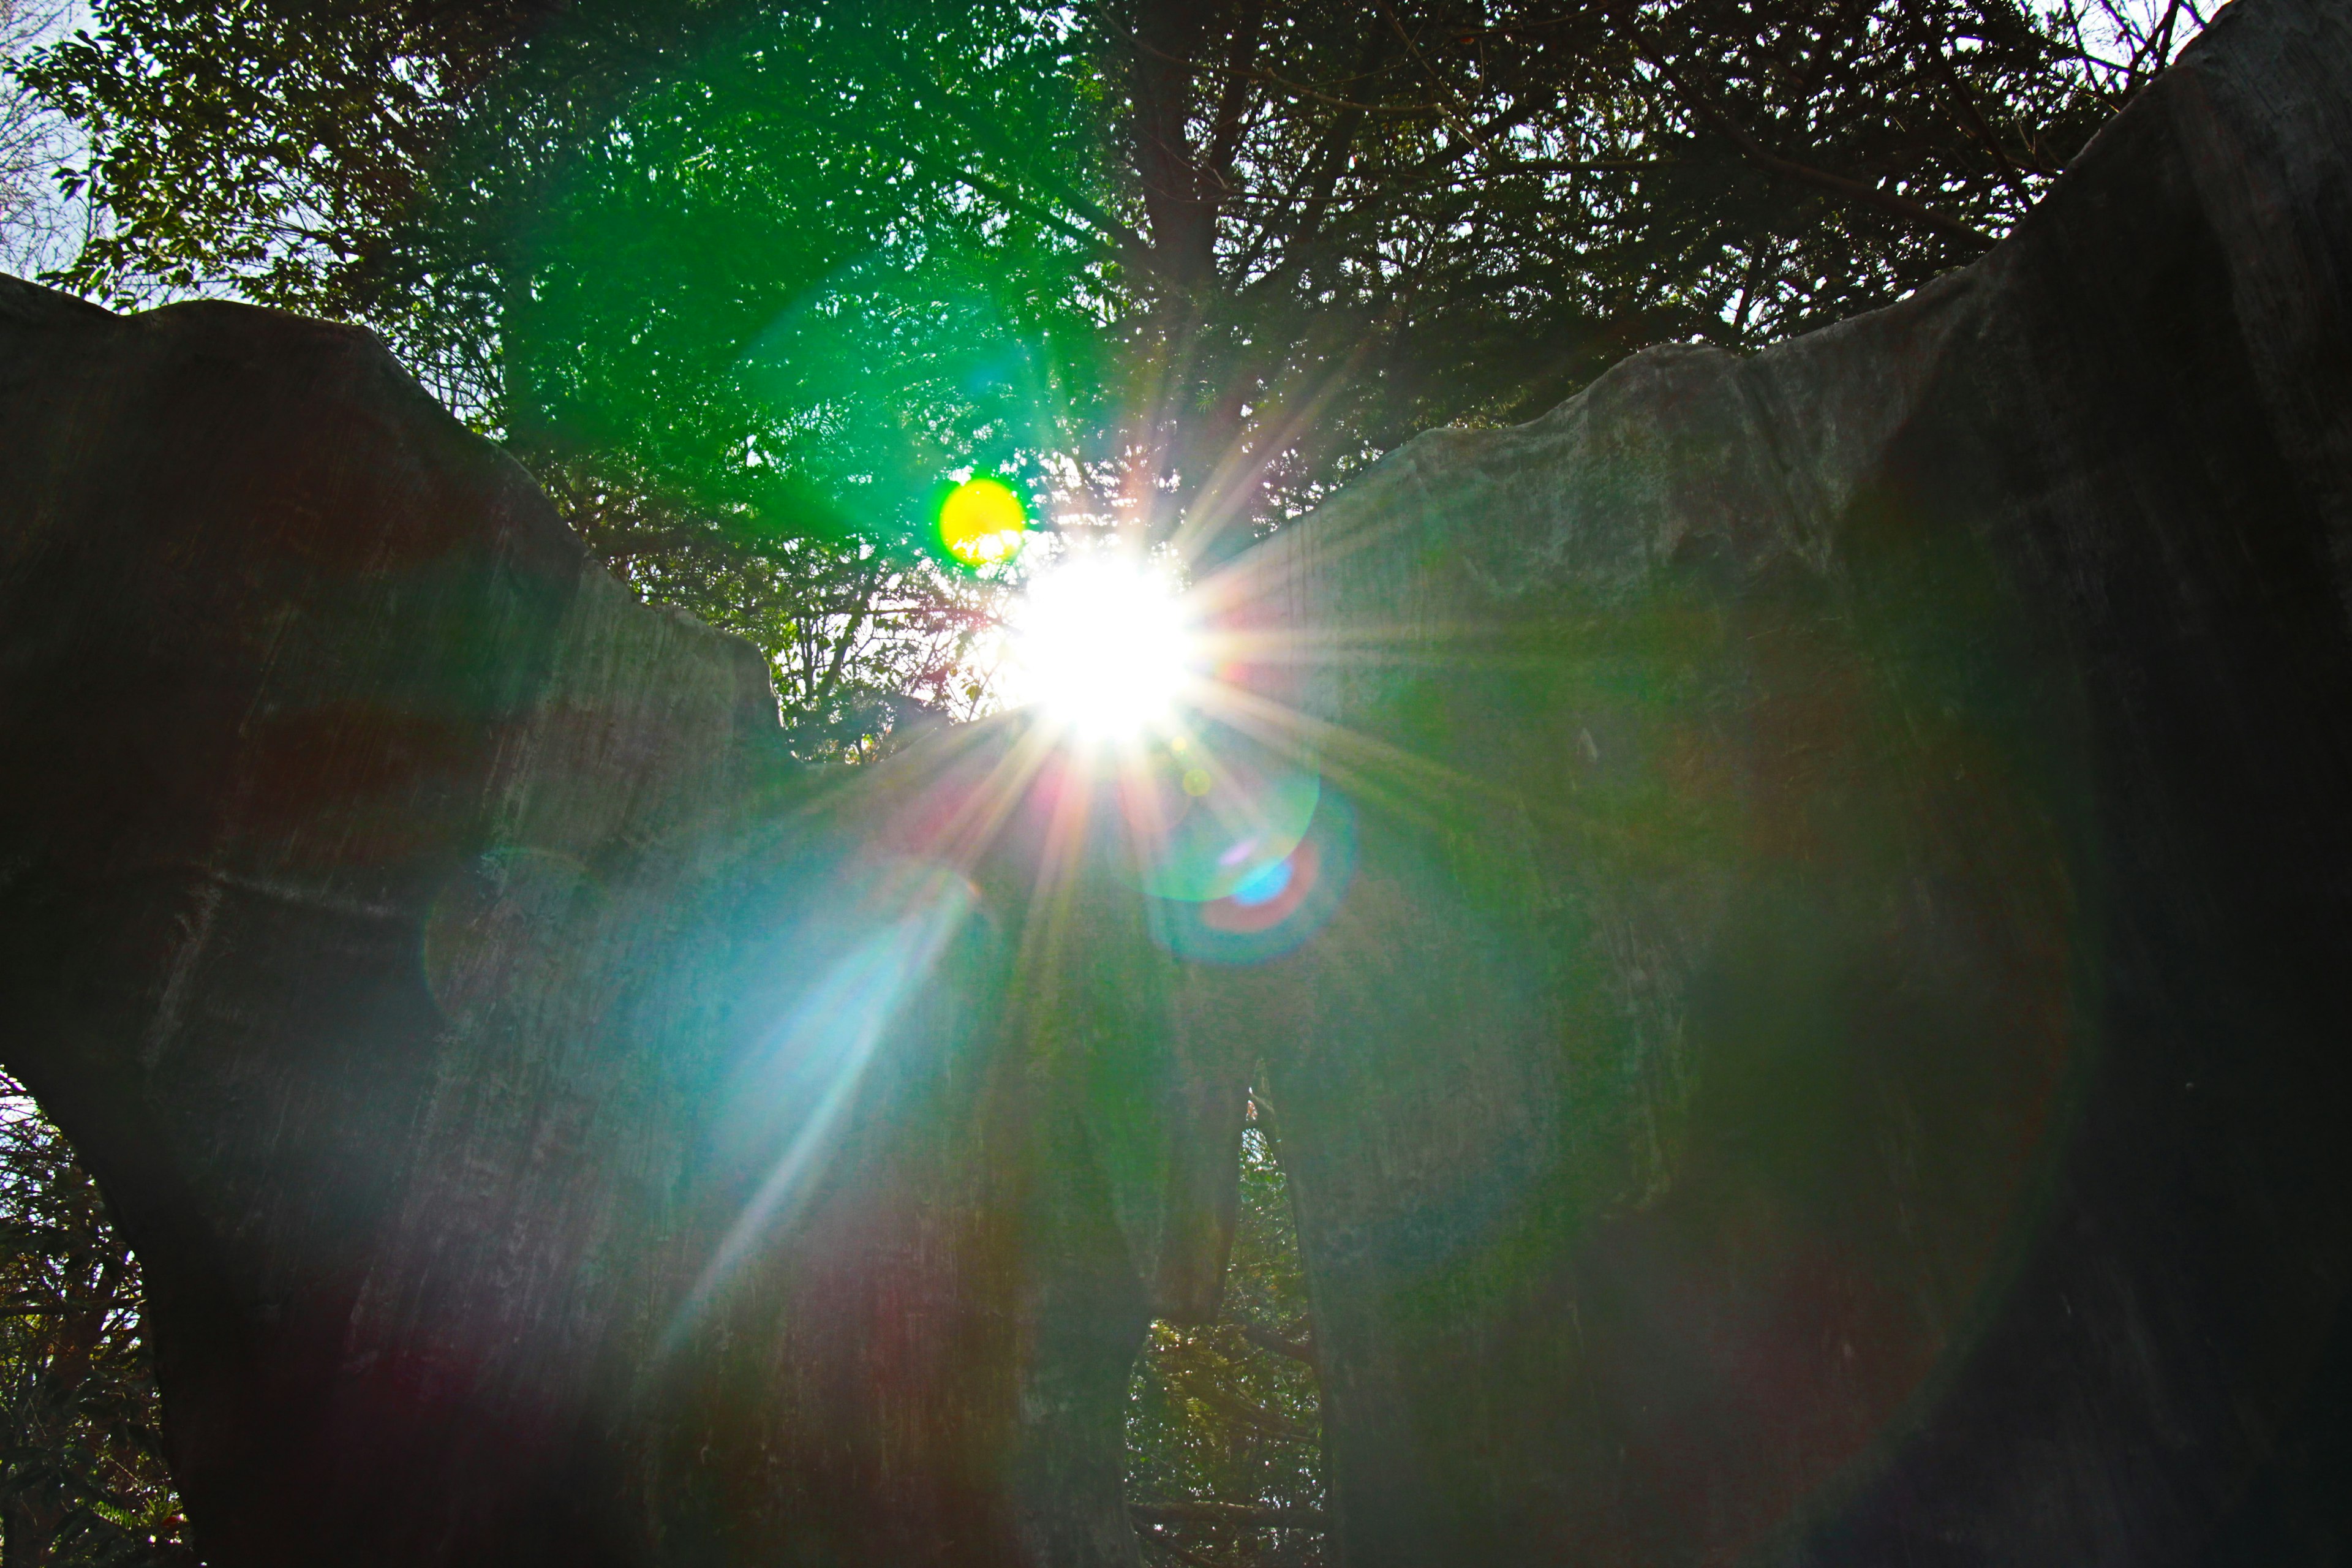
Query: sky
[{"x": 39, "y": 229}]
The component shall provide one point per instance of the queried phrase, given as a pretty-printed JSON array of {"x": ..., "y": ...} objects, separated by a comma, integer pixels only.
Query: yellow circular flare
[{"x": 982, "y": 521}]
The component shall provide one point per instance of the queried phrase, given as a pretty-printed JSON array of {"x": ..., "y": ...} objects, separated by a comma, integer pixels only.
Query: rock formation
[
  {"x": 1815, "y": 1040},
  {"x": 1856, "y": 1074},
  {"x": 556, "y": 1128}
]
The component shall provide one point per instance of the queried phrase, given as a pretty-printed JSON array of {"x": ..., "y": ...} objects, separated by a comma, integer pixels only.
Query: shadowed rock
[
  {"x": 1834, "y": 1051},
  {"x": 1808, "y": 1026},
  {"x": 556, "y": 1128}
]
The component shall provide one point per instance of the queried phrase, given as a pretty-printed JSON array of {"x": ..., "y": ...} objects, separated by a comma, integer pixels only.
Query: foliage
[
  {"x": 746, "y": 279},
  {"x": 1216, "y": 256},
  {"x": 255, "y": 146},
  {"x": 1224, "y": 1437},
  {"x": 738, "y": 292},
  {"x": 82, "y": 1478},
  {"x": 34, "y": 139}
]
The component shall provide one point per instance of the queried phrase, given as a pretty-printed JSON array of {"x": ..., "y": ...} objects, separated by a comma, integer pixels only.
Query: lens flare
[
  {"x": 1102, "y": 644},
  {"x": 982, "y": 521},
  {"x": 1273, "y": 908},
  {"x": 1234, "y": 836}
]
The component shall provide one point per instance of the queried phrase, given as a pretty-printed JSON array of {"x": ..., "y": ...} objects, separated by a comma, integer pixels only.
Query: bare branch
[
  {"x": 1267, "y": 1340},
  {"x": 1887, "y": 201},
  {"x": 1245, "y": 1515}
]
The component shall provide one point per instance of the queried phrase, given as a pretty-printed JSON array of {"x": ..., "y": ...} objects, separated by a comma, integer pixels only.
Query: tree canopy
[
  {"x": 82, "y": 1478},
  {"x": 747, "y": 280}
]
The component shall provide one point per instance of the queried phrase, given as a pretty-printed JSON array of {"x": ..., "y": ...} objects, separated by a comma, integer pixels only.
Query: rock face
[
  {"x": 554, "y": 1128},
  {"x": 1816, "y": 1038},
  {"x": 1834, "y": 1053}
]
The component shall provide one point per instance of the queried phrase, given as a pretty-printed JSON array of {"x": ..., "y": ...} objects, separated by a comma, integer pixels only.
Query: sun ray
[{"x": 1216, "y": 785}]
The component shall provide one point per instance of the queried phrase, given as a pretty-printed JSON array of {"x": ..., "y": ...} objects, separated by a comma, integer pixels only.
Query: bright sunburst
[{"x": 1101, "y": 643}]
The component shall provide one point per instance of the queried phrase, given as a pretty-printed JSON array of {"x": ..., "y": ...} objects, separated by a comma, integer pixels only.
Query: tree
[
  {"x": 82, "y": 1478},
  {"x": 1298, "y": 233},
  {"x": 276, "y": 147},
  {"x": 744, "y": 279},
  {"x": 34, "y": 139},
  {"x": 251, "y": 148},
  {"x": 1252, "y": 245},
  {"x": 1224, "y": 1434}
]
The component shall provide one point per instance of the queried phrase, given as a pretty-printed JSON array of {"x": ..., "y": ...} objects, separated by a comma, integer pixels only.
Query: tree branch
[
  {"x": 1129, "y": 246},
  {"x": 1451, "y": 112},
  {"x": 1233, "y": 103},
  {"x": 1267, "y": 1340},
  {"x": 1331, "y": 161},
  {"x": 1966, "y": 106},
  {"x": 1154, "y": 1538},
  {"x": 1196, "y": 1385},
  {"x": 1245, "y": 1515},
  {"x": 1887, "y": 201},
  {"x": 823, "y": 693}
]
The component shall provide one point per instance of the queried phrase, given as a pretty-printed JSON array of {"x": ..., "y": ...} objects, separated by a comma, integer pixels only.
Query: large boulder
[
  {"x": 556, "y": 1128},
  {"x": 1836, "y": 1049}
]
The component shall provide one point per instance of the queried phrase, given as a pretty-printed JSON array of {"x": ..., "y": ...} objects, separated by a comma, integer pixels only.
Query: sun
[{"x": 1101, "y": 644}]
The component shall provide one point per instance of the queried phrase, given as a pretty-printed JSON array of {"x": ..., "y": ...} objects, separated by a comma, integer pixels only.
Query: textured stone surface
[
  {"x": 556, "y": 1128},
  {"x": 1835, "y": 1052},
  {"x": 1832, "y": 1052}
]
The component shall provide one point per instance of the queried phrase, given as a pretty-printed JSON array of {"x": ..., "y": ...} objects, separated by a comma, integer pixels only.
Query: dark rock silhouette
[
  {"x": 1875, "y": 884},
  {"x": 556, "y": 1128},
  {"x": 1817, "y": 1037}
]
